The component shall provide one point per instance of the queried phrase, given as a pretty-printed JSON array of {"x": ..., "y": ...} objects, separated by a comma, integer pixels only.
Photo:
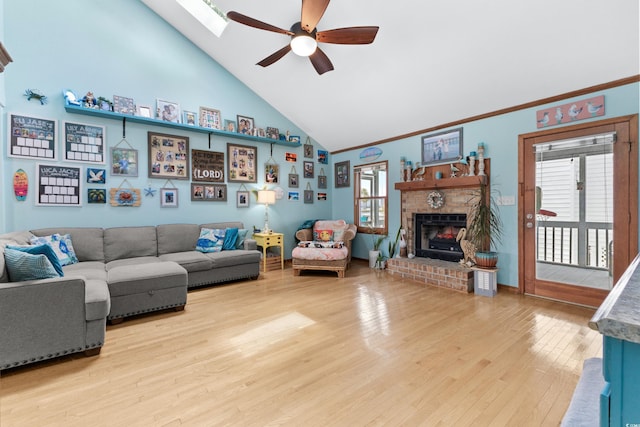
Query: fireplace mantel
[{"x": 427, "y": 184}]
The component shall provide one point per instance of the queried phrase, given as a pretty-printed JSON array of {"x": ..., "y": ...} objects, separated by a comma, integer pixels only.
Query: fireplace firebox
[{"x": 435, "y": 235}]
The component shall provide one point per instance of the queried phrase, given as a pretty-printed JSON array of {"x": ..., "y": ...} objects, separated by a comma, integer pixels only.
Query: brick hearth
[{"x": 434, "y": 272}]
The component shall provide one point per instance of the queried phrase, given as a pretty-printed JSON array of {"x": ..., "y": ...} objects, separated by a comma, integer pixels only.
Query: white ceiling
[{"x": 433, "y": 62}]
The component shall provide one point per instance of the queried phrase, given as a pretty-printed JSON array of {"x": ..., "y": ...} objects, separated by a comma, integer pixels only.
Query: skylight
[{"x": 207, "y": 13}]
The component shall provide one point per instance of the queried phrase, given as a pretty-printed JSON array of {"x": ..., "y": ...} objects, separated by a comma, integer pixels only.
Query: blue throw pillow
[
  {"x": 230, "y": 237},
  {"x": 242, "y": 235},
  {"x": 42, "y": 250},
  {"x": 23, "y": 266},
  {"x": 210, "y": 240},
  {"x": 61, "y": 245}
]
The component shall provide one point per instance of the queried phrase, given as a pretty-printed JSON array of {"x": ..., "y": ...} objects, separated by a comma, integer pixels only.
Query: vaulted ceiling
[{"x": 433, "y": 62}]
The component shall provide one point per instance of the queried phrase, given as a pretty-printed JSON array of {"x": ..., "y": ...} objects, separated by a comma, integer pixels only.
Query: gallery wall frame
[
  {"x": 202, "y": 192},
  {"x": 442, "y": 147},
  {"x": 207, "y": 166},
  {"x": 168, "y": 197},
  {"x": 124, "y": 161},
  {"x": 58, "y": 185},
  {"x": 242, "y": 161},
  {"x": 210, "y": 118},
  {"x": 84, "y": 142},
  {"x": 342, "y": 178},
  {"x": 242, "y": 199},
  {"x": 168, "y": 111},
  {"x": 32, "y": 137},
  {"x": 168, "y": 156}
]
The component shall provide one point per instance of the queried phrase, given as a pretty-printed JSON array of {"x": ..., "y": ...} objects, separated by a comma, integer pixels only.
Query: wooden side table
[{"x": 267, "y": 240}]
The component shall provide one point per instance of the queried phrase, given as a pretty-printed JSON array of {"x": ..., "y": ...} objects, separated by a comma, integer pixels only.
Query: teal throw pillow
[
  {"x": 42, "y": 250},
  {"x": 23, "y": 266},
  {"x": 230, "y": 237},
  {"x": 61, "y": 245},
  {"x": 242, "y": 235},
  {"x": 210, "y": 240}
]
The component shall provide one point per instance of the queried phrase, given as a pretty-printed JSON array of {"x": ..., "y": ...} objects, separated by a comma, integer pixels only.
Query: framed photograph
[
  {"x": 322, "y": 196},
  {"x": 322, "y": 181},
  {"x": 168, "y": 156},
  {"x": 230, "y": 125},
  {"x": 290, "y": 157},
  {"x": 261, "y": 132},
  {"x": 168, "y": 197},
  {"x": 323, "y": 157},
  {"x": 442, "y": 147},
  {"x": 308, "y": 169},
  {"x": 273, "y": 133},
  {"x": 124, "y": 161},
  {"x": 308, "y": 151},
  {"x": 96, "y": 176},
  {"x": 207, "y": 166},
  {"x": 168, "y": 111},
  {"x": 96, "y": 196},
  {"x": 123, "y": 105},
  {"x": 293, "y": 196},
  {"x": 308, "y": 196},
  {"x": 293, "y": 180},
  {"x": 271, "y": 173},
  {"x": 242, "y": 161},
  {"x": 84, "y": 143},
  {"x": 294, "y": 138},
  {"x": 58, "y": 185},
  {"x": 245, "y": 125},
  {"x": 32, "y": 137},
  {"x": 144, "y": 111},
  {"x": 242, "y": 199},
  {"x": 210, "y": 118},
  {"x": 190, "y": 118},
  {"x": 208, "y": 192},
  {"x": 342, "y": 174}
]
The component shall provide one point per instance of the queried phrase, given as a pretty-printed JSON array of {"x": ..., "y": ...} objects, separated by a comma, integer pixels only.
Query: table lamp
[{"x": 266, "y": 198}]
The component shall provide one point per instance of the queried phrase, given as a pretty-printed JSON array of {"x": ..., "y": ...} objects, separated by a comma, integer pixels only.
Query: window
[{"x": 371, "y": 198}]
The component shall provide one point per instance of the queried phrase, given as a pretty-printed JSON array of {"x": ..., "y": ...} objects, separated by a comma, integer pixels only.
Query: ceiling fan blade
[
  {"x": 274, "y": 56},
  {"x": 350, "y": 35},
  {"x": 312, "y": 11},
  {"x": 246, "y": 20},
  {"x": 320, "y": 61}
]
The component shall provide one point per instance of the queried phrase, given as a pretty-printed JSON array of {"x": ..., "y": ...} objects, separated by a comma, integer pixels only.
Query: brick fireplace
[{"x": 457, "y": 192}]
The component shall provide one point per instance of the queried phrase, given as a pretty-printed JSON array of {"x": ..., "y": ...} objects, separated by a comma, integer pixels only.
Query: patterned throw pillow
[
  {"x": 210, "y": 240},
  {"x": 42, "y": 250},
  {"x": 61, "y": 245},
  {"x": 323, "y": 235},
  {"x": 23, "y": 266},
  {"x": 320, "y": 245}
]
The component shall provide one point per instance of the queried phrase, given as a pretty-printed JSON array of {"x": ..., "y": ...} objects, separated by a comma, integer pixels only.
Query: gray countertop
[{"x": 619, "y": 314}]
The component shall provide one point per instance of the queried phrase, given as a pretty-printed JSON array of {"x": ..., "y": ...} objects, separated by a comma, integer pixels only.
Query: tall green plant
[
  {"x": 393, "y": 244},
  {"x": 376, "y": 239},
  {"x": 485, "y": 227}
]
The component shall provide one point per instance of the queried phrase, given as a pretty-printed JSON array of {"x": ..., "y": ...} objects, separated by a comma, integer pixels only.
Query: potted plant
[
  {"x": 376, "y": 240},
  {"x": 485, "y": 227}
]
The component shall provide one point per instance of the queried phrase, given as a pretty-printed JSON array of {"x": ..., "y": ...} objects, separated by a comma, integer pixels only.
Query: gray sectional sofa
[{"x": 122, "y": 271}]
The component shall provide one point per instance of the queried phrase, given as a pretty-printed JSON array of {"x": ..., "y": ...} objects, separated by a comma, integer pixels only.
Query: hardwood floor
[{"x": 316, "y": 350}]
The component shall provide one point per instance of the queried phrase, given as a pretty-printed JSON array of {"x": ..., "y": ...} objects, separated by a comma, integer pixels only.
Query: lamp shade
[
  {"x": 266, "y": 197},
  {"x": 303, "y": 45}
]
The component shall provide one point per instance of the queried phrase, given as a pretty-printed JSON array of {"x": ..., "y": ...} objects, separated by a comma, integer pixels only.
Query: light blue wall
[
  {"x": 121, "y": 47},
  {"x": 500, "y": 135}
]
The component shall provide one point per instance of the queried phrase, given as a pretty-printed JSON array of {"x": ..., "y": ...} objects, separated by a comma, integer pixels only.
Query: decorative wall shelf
[
  {"x": 428, "y": 184},
  {"x": 74, "y": 109}
]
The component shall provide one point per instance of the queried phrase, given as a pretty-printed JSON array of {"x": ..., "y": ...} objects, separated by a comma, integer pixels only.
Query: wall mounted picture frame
[
  {"x": 168, "y": 197},
  {"x": 201, "y": 192},
  {"x": 308, "y": 196},
  {"x": 123, "y": 197},
  {"x": 168, "y": 111},
  {"x": 323, "y": 157},
  {"x": 124, "y": 161},
  {"x": 271, "y": 173},
  {"x": 294, "y": 180},
  {"x": 144, "y": 111},
  {"x": 229, "y": 125},
  {"x": 242, "y": 199},
  {"x": 294, "y": 139},
  {"x": 293, "y": 196},
  {"x": 308, "y": 169},
  {"x": 32, "y": 137},
  {"x": 322, "y": 181},
  {"x": 290, "y": 157},
  {"x": 96, "y": 196},
  {"x": 308, "y": 149},
  {"x": 322, "y": 197},
  {"x": 168, "y": 156},
  {"x": 58, "y": 185},
  {"x": 272, "y": 133},
  {"x": 210, "y": 118},
  {"x": 207, "y": 166},
  {"x": 84, "y": 143},
  {"x": 190, "y": 118},
  {"x": 242, "y": 161},
  {"x": 342, "y": 174},
  {"x": 124, "y": 105},
  {"x": 245, "y": 125},
  {"x": 96, "y": 176},
  {"x": 442, "y": 147}
]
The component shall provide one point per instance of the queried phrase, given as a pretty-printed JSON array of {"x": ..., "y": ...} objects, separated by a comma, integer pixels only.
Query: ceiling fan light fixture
[{"x": 303, "y": 45}]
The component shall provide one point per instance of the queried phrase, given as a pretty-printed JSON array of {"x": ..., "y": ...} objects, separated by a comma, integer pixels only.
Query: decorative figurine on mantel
[
  {"x": 89, "y": 101},
  {"x": 472, "y": 163},
  {"x": 481, "y": 159}
]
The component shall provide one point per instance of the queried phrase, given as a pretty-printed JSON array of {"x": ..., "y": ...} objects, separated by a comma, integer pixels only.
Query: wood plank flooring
[{"x": 315, "y": 350}]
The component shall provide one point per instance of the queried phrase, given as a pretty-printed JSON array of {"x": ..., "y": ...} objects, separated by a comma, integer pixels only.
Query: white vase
[{"x": 373, "y": 257}]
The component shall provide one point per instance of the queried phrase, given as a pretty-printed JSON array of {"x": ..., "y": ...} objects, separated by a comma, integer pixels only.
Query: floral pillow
[
  {"x": 210, "y": 240},
  {"x": 321, "y": 245},
  {"x": 61, "y": 245}
]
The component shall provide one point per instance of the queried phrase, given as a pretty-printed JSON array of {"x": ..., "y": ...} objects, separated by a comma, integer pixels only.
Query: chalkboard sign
[
  {"x": 84, "y": 143},
  {"x": 207, "y": 166},
  {"x": 58, "y": 185},
  {"x": 32, "y": 137}
]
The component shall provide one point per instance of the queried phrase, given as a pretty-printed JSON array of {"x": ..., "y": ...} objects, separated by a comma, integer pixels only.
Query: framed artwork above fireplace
[{"x": 442, "y": 147}]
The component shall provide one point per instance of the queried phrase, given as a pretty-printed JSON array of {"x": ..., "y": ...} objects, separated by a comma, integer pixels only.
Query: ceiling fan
[{"x": 305, "y": 36}]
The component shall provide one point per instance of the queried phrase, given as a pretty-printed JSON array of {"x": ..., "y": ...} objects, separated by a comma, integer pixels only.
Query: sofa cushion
[
  {"x": 88, "y": 242},
  {"x": 61, "y": 245},
  {"x": 231, "y": 258},
  {"x": 323, "y": 254},
  {"x": 45, "y": 250},
  {"x": 17, "y": 238},
  {"x": 229, "y": 224},
  {"x": 129, "y": 242},
  {"x": 23, "y": 266},
  {"x": 87, "y": 269},
  {"x": 174, "y": 238},
  {"x": 132, "y": 261},
  {"x": 96, "y": 299},
  {"x": 210, "y": 240},
  {"x": 190, "y": 260},
  {"x": 144, "y": 278}
]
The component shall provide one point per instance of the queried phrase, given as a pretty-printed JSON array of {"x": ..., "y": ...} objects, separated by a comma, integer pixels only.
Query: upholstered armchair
[{"x": 326, "y": 246}]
